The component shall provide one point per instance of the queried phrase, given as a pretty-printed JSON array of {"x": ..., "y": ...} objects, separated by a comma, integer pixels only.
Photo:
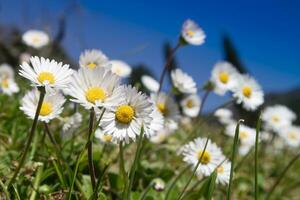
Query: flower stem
[
  {"x": 145, "y": 192},
  {"x": 194, "y": 171},
  {"x": 37, "y": 182},
  {"x": 135, "y": 162},
  {"x": 233, "y": 156},
  {"x": 167, "y": 65},
  {"x": 204, "y": 98},
  {"x": 258, "y": 125},
  {"x": 31, "y": 135},
  {"x": 122, "y": 169},
  {"x": 90, "y": 149}
]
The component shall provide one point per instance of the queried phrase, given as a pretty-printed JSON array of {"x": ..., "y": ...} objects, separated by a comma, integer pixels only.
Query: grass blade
[{"x": 258, "y": 125}]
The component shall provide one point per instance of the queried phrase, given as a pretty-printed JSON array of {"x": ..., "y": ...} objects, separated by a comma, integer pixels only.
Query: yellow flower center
[
  {"x": 94, "y": 94},
  {"x": 107, "y": 137},
  {"x": 91, "y": 65},
  {"x": 275, "y": 119},
  {"x": 247, "y": 91},
  {"x": 46, "y": 76},
  {"x": 224, "y": 77},
  {"x": 205, "y": 158},
  {"x": 124, "y": 114},
  {"x": 243, "y": 135},
  {"x": 4, "y": 83},
  {"x": 46, "y": 109},
  {"x": 292, "y": 136},
  {"x": 162, "y": 108},
  {"x": 190, "y": 103},
  {"x": 220, "y": 169},
  {"x": 190, "y": 33}
]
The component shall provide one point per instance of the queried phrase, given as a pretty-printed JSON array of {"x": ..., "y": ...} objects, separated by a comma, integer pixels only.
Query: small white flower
[
  {"x": 6, "y": 71},
  {"x": 246, "y": 135},
  {"x": 291, "y": 135},
  {"x": 191, "y": 105},
  {"x": 120, "y": 68},
  {"x": 104, "y": 138},
  {"x": 150, "y": 83},
  {"x": 183, "y": 82},
  {"x": 224, "y": 115},
  {"x": 212, "y": 156},
  {"x": 125, "y": 121},
  {"x": 224, "y": 77},
  {"x": 95, "y": 88},
  {"x": 8, "y": 86},
  {"x": 223, "y": 173},
  {"x": 46, "y": 73},
  {"x": 51, "y": 108},
  {"x": 277, "y": 117},
  {"x": 192, "y": 33},
  {"x": 72, "y": 123},
  {"x": 160, "y": 136},
  {"x": 248, "y": 93},
  {"x": 35, "y": 38},
  {"x": 93, "y": 59},
  {"x": 158, "y": 184}
]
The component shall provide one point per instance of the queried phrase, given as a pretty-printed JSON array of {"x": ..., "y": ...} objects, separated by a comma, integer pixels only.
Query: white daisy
[
  {"x": 157, "y": 122},
  {"x": 291, "y": 135},
  {"x": 276, "y": 117},
  {"x": 191, "y": 105},
  {"x": 95, "y": 88},
  {"x": 8, "y": 86},
  {"x": 6, "y": 71},
  {"x": 223, "y": 173},
  {"x": 51, "y": 108},
  {"x": 192, "y": 34},
  {"x": 160, "y": 136},
  {"x": 224, "y": 116},
  {"x": 183, "y": 82},
  {"x": 246, "y": 135},
  {"x": 120, "y": 68},
  {"x": 224, "y": 76},
  {"x": 72, "y": 122},
  {"x": 248, "y": 93},
  {"x": 124, "y": 122},
  {"x": 35, "y": 38},
  {"x": 168, "y": 108},
  {"x": 158, "y": 184},
  {"x": 93, "y": 59},
  {"x": 104, "y": 138},
  {"x": 46, "y": 73},
  {"x": 212, "y": 156},
  {"x": 150, "y": 83},
  {"x": 244, "y": 149}
]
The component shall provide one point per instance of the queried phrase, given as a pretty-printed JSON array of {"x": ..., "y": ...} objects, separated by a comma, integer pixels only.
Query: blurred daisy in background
[
  {"x": 8, "y": 86},
  {"x": 93, "y": 59},
  {"x": 192, "y": 34},
  {"x": 168, "y": 108},
  {"x": 160, "y": 136},
  {"x": 183, "y": 82},
  {"x": 224, "y": 116},
  {"x": 51, "y": 108},
  {"x": 223, "y": 173},
  {"x": 158, "y": 184},
  {"x": 95, "y": 88},
  {"x": 104, "y": 138},
  {"x": 157, "y": 122},
  {"x": 224, "y": 77},
  {"x": 120, "y": 68},
  {"x": 248, "y": 93},
  {"x": 71, "y": 123},
  {"x": 212, "y": 156},
  {"x": 191, "y": 105},
  {"x": 35, "y": 38},
  {"x": 291, "y": 136},
  {"x": 150, "y": 83},
  {"x": 277, "y": 117},
  {"x": 125, "y": 121},
  {"x": 46, "y": 73},
  {"x": 6, "y": 71}
]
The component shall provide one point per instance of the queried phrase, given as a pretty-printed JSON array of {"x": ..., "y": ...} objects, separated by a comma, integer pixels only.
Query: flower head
[
  {"x": 183, "y": 82},
  {"x": 223, "y": 173},
  {"x": 93, "y": 59},
  {"x": 8, "y": 86},
  {"x": 192, "y": 34},
  {"x": 191, "y": 105},
  {"x": 224, "y": 115},
  {"x": 291, "y": 136},
  {"x": 104, "y": 138},
  {"x": 150, "y": 83},
  {"x": 120, "y": 68},
  {"x": 35, "y": 38},
  {"x": 6, "y": 71}
]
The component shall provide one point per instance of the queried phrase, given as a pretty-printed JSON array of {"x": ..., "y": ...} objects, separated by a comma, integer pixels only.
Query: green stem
[
  {"x": 145, "y": 192},
  {"x": 90, "y": 150},
  {"x": 256, "y": 158},
  {"x": 34, "y": 146},
  {"x": 282, "y": 175},
  {"x": 194, "y": 171},
  {"x": 122, "y": 168},
  {"x": 99, "y": 184},
  {"x": 233, "y": 156},
  {"x": 135, "y": 162},
  {"x": 31, "y": 135},
  {"x": 37, "y": 182}
]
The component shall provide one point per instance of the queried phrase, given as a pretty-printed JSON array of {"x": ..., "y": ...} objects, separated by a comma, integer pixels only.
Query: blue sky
[{"x": 266, "y": 33}]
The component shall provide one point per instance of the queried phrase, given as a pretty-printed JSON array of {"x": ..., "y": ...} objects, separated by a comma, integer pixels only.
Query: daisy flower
[
  {"x": 8, "y": 86},
  {"x": 150, "y": 83},
  {"x": 183, "y": 82},
  {"x": 104, "y": 138},
  {"x": 224, "y": 116},
  {"x": 248, "y": 93},
  {"x": 191, "y": 105},
  {"x": 276, "y": 117},
  {"x": 51, "y": 108},
  {"x": 72, "y": 123},
  {"x": 93, "y": 59},
  {"x": 168, "y": 108},
  {"x": 158, "y": 184},
  {"x": 120, "y": 68},
  {"x": 291, "y": 136},
  {"x": 246, "y": 135},
  {"x": 46, "y": 73},
  {"x": 192, "y": 34},
  {"x": 223, "y": 173},
  {"x": 125, "y": 121},
  {"x": 94, "y": 88},
  {"x": 160, "y": 136},
  {"x": 224, "y": 76},
  {"x": 212, "y": 156},
  {"x": 35, "y": 38},
  {"x": 6, "y": 71}
]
